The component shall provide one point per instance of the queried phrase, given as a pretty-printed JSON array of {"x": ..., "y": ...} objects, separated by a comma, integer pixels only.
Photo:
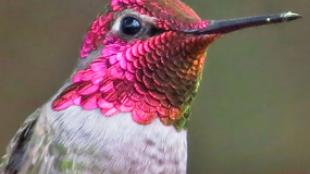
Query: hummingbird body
[
  {"x": 126, "y": 106},
  {"x": 61, "y": 144},
  {"x": 81, "y": 141}
]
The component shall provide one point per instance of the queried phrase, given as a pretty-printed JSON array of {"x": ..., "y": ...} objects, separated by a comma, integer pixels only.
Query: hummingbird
[{"x": 126, "y": 106}]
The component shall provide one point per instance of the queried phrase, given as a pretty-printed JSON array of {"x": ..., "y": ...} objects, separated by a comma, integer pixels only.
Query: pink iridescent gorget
[{"x": 154, "y": 77}]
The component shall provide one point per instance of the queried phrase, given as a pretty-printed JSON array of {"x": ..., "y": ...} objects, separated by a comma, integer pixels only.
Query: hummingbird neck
[
  {"x": 134, "y": 78},
  {"x": 153, "y": 77}
]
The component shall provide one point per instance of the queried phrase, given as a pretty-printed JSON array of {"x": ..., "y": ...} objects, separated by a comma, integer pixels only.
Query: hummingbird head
[{"x": 152, "y": 55}]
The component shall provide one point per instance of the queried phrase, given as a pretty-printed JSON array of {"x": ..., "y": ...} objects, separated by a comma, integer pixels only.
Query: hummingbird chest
[{"x": 86, "y": 142}]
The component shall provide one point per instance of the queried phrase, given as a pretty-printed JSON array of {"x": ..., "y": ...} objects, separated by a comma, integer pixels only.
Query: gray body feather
[{"x": 78, "y": 141}]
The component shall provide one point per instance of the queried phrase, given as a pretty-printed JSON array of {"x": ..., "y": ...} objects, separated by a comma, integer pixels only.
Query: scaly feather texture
[{"x": 154, "y": 77}]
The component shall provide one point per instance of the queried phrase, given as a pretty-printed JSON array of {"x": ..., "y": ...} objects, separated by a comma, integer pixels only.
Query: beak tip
[{"x": 290, "y": 16}]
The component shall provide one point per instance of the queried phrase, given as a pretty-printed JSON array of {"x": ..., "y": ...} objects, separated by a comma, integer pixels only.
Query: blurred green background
[{"x": 252, "y": 112}]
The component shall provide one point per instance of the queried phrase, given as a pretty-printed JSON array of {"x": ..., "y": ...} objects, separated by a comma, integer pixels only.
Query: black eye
[{"x": 130, "y": 25}]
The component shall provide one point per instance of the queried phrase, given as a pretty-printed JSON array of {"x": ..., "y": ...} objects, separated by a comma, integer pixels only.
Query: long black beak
[{"x": 230, "y": 25}]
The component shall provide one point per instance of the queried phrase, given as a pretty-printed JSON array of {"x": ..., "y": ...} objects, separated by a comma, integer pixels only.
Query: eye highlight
[{"x": 130, "y": 25}]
